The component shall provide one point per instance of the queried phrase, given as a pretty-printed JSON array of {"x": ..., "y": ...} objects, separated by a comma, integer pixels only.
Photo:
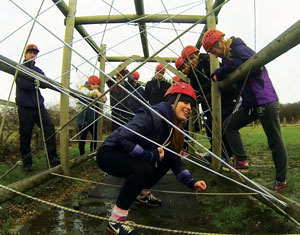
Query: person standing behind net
[
  {"x": 181, "y": 66},
  {"x": 157, "y": 87},
  {"x": 119, "y": 100},
  {"x": 200, "y": 77},
  {"x": 28, "y": 112},
  {"x": 259, "y": 101},
  {"x": 87, "y": 120},
  {"x": 136, "y": 90}
]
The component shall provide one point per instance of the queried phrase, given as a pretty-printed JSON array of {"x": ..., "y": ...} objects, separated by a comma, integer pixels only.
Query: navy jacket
[
  {"x": 150, "y": 125},
  {"x": 200, "y": 79},
  {"x": 26, "y": 92}
]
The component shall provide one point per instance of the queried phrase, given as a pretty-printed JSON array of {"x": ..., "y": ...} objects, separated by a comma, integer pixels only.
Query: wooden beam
[
  {"x": 217, "y": 3},
  {"x": 172, "y": 69},
  {"x": 284, "y": 42},
  {"x": 8, "y": 103},
  {"x": 122, "y": 66},
  {"x": 138, "y": 59},
  {"x": 40, "y": 178},
  {"x": 215, "y": 98},
  {"x": 139, "y": 8},
  {"x": 62, "y": 6},
  {"x": 139, "y": 18},
  {"x": 65, "y": 81}
]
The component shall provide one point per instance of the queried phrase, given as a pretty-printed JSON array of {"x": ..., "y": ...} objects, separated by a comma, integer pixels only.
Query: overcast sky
[{"x": 256, "y": 26}]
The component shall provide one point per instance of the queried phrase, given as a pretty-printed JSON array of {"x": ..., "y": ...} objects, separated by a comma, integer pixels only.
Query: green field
[
  {"x": 238, "y": 214},
  {"x": 262, "y": 166}
]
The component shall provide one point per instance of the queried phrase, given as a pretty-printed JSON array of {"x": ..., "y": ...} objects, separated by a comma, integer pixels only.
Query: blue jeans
[{"x": 268, "y": 115}]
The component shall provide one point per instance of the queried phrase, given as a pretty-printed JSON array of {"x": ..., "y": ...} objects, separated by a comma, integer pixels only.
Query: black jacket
[
  {"x": 201, "y": 79},
  {"x": 117, "y": 94},
  {"x": 154, "y": 93}
]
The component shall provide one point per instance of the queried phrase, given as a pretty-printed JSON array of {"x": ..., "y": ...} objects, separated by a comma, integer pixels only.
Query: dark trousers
[
  {"x": 139, "y": 174},
  {"x": 27, "y": 118},
  {"x": 268, "y": 115},
  {"x": 226, "y": 111},
  {"x": 93, "y": 130}
]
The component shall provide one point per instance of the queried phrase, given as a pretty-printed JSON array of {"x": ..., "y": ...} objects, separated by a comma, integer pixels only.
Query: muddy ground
[{"x": 209, "y": 214}]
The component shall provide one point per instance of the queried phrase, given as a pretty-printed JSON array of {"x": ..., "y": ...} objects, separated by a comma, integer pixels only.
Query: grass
[
  {"x": 239, "y": 214},
  {"x": 39, "y": 164},
  {"x": 222, "y": 214}
]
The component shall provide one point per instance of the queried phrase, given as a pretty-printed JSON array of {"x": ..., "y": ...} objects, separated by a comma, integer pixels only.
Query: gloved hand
[
  {"x": 36, "y": 83},
  {"x": 152, "y": 156},
  {"x": 199, "y": 186}
]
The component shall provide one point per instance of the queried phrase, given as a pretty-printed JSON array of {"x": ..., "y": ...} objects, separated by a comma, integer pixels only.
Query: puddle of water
[{"x": 58, "y": 222}]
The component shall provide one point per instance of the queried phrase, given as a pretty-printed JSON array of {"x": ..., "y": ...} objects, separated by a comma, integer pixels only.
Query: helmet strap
[{"x": 176, "y": 100}]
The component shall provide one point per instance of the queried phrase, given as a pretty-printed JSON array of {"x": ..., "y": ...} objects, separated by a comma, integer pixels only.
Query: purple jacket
[
  {"x": 258, "y": 89},
  {"x": 26, "y": 93}
]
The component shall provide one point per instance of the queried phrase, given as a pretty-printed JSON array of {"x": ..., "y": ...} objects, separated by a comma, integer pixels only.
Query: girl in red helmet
[
  {"x": 182, "y": 66},
  {"x": 259, "y": 101},
  {"x": 200, "y": 77},
  {"x": 143, "y": 163},
  {"x": 86, "y": 121}
]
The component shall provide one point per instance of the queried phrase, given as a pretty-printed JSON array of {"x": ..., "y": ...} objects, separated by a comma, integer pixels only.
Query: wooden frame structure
[{"x": 287, "y": 40}]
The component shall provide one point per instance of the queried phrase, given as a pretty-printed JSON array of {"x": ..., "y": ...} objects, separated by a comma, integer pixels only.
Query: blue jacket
[
  {"x": 150, "y": 125},
  {"x": 258, "y": 89},
  {"x": 26, "y": 92}
]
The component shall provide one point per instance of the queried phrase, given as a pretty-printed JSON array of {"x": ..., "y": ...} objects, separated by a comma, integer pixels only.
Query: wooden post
[
  {"x": 65, "y": 81},
  {"x": 102, "y": 81},
  {"x": 215, "y": 98}
]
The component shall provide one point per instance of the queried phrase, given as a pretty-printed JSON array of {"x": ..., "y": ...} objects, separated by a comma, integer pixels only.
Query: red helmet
[
  {"x": 93, "y": 79},
  {"x": 210, "y": 37},
  {"x": 136, "y": 75},
  {"x": 32, "y": 47},
  {"x": 177, "y": 79},
  {"x": 179, "y": 62},
  {"x": 188, "y": 50},
  {"x": 181, "y": 88},
  {"x": 160, "y": 69}
]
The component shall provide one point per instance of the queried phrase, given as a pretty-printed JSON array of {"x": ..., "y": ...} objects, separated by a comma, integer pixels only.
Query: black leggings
[
  {"x": 139, "y": 174},
  {"x": 93, "y": 130}
]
